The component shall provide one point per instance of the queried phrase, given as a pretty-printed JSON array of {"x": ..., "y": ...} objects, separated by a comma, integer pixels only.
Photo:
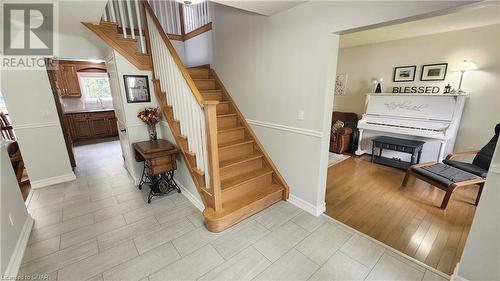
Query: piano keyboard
[{"x": 408, "y": 127}]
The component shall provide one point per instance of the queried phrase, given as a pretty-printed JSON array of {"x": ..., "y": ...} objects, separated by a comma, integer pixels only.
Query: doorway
[
  {"x": 82, "y": 94},
  {"x": 369, "y": 197},
  {"x": 13, "y": 149}
]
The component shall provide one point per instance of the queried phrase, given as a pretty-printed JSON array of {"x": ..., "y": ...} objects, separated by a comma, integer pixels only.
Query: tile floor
[{"x": 99, "y": 227}]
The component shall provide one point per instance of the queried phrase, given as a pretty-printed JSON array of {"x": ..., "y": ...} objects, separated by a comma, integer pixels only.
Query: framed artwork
[
  {"x": 137, "y": 88},
  {"x": 433, "y": 72},
  {"x": 340, "y": 84},
  {"x": 404, "y": 73}
]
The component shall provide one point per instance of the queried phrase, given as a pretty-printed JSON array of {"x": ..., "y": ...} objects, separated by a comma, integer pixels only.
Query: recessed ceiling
[
  {"x": 474, "y": 17},
  {"x": 263, "y": 7}
]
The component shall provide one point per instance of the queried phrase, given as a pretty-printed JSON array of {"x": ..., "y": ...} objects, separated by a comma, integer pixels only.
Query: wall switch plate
[{"x": 300, "y": 115}]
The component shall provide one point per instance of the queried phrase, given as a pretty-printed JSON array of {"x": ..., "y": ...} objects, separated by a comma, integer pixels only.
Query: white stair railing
[
  {"x": 196, "y": 16},
  {"x": 127, "y": 14},
  {"x": 186, "y": 108}
]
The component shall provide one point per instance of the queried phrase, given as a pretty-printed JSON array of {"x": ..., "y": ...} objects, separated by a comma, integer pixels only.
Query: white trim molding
[
  {"x": 455, "y": 276},
  {"x": 295, "y": 130},
  {"x": 306, "y": 206},
  {"x": 191, "y": 197},
  {"x": 35, "y": 125},
  {"x": 17, "y": 255},
  {"x": 53, "y": 180}
]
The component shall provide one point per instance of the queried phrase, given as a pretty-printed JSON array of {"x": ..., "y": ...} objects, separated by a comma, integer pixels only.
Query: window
[
  {"x": 94, "y": 86},
  {"x": 3, "y": 107}
]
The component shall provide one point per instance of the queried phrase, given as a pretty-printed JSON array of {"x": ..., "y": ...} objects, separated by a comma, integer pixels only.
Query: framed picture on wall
[
  {"x": 137, "y": 88},
  {"x": 433, "y": 72},
  {"x": 404, "y": 73}
]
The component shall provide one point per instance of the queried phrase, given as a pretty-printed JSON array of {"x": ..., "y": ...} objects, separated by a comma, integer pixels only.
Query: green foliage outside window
[{"x": 97, "y": 87}]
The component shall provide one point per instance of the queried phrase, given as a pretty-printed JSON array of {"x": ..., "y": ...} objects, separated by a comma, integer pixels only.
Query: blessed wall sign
[{"x": 416, "y": 90}]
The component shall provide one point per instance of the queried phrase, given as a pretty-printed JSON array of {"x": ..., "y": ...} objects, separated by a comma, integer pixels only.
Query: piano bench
[{"x": 444, "y": 177}]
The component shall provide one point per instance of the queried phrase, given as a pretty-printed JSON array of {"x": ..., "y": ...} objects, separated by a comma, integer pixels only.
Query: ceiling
[
  {"x": 485, "y": 14},
  {"x": 263, "y": 7}
]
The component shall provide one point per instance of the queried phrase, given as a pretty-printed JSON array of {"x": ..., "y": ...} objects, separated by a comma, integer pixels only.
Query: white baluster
[
  {"x": 105, "y": 16},
  {"x": 139, "y": 25},
  {"x": 130, "y": 19},
  {"x": 177, "y": 17},
  {"x": 112, "y": 11},
  {"x": 122, "y": 18}
]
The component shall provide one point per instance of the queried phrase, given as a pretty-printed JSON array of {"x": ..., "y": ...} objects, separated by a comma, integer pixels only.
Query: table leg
[
  {"x": 373, "y": 152},
  {"x": 418, "y": 157},
  {"x": 142, "y": 181}
]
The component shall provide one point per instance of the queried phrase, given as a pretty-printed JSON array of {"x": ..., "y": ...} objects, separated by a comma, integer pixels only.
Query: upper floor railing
[{"x": 176, "y": 19}]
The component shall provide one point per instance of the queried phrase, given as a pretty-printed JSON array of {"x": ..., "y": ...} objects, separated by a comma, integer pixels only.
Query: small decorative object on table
[
  {"x": 159, "y": 166},
  {"x": 378, "y": 88},
  {"x": 447, "y": 89},
  {"x": 150, "y": 116}
]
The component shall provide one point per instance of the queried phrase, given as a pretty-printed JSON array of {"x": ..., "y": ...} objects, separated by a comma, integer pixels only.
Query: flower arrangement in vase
[{"x": 150, "y": 116}]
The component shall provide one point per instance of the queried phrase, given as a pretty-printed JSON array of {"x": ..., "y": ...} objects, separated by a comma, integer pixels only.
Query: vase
[{"x": 152, "y": 131}]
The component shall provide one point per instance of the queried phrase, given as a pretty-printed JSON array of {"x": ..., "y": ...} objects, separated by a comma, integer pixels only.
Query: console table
[
  {"x": 159, "y": 166},
  {"x": 412, "y": 147}
]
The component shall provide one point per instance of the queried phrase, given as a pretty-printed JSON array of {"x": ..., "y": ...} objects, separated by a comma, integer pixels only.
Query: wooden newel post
[{"x": 210, "y": 108}]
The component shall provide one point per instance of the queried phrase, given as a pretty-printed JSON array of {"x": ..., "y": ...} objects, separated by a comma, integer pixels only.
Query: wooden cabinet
[
  {"x": 92, "y": 125},
  {"x": 69, "y": 85}
]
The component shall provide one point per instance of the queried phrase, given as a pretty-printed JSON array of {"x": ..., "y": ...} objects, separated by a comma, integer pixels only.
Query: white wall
[
  {"x": 481, "y": 255},
  {"x": 198, "y": 50},
  {"x": 11, "y": 204},
  {"x": 480, "y": 45},
  {"x": 274, "y": 66}
]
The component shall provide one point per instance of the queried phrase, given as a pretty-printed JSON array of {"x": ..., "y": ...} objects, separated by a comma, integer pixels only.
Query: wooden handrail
[
  {"x": 173, "y": 53},
  {"x": 210, "y": 109}
]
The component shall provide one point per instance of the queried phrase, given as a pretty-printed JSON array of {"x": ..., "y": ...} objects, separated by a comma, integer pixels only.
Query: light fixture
[
  {"x": 190, "y": 2},
  {"x": 463, "y": 67}
]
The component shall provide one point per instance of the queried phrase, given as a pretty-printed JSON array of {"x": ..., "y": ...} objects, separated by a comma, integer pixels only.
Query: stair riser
[
  {"x": 235, "y": 151},
  {"x": 212, "y": 95},
  {"x": 223, "y": 108},
  {"x": 205, "y": 84},
  {"x": 230, "y": 136},
  {"x": 199, "y": 73},
  {"x": 227, "y": 121},
  {"x": 244, "y": 189},
  {"x": 240, "y": 168}
]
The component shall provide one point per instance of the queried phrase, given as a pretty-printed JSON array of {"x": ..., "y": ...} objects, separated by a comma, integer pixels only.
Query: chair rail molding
[
  {"x": 35, "y": 125},
  {"x": 296, "y": 130}
]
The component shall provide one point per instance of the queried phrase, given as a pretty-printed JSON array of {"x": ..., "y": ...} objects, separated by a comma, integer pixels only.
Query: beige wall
[{"x": 480, "y": 45}]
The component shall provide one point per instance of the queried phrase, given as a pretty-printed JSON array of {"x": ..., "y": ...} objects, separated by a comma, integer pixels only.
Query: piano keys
[{"x": 433, "y": 118}]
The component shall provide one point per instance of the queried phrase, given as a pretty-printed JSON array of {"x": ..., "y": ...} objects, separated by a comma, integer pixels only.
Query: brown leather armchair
[{"x": 342, "y": 139}]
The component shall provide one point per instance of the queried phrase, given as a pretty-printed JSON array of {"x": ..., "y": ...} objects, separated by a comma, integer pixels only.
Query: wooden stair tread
[
  {"x": 227, "y": 129},
  {"x": 241, "y": 205},
  {"x": 238, "y": 160},
  {"x": 234, "y": 143},
  {"x": 243, "y": 178}
]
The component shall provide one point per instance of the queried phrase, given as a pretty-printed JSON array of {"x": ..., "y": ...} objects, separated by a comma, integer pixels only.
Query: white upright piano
[{"x": 433, "y": 118}]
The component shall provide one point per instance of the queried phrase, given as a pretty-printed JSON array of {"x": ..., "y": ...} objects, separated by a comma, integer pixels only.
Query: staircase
[
  {"x": 233, "y": 174},
  {"x": 249, "y": 180},
  {"x": 127, "y": 47}
]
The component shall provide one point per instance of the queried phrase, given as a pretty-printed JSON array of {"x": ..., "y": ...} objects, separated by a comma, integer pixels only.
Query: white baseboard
[
  {"x": 17, "y": 256},
  {"x": 306, "y": 206},
  {"x": 191, "y": 197},
  {"x": 53, "y": 180},
  {"x": 455, "y": 276}
]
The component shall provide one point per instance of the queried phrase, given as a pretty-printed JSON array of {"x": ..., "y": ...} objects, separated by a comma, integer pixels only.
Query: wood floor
[{"x": 369, "y": 198}]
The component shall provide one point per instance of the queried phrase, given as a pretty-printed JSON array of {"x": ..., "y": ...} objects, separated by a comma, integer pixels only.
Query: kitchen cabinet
[
  {"x": 69, "y": 85},
  {"x": 91, "y": 125}
]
